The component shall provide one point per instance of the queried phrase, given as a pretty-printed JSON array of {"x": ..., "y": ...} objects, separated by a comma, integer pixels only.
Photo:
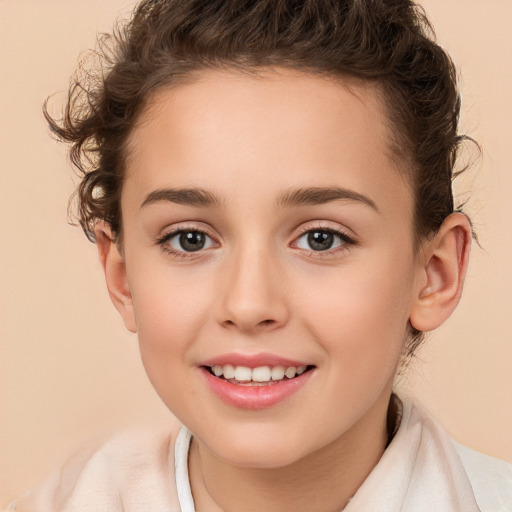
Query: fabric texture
[{"x": 422, "y": 470}]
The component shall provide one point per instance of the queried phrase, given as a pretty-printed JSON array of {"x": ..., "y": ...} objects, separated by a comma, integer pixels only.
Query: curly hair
[{"x": 389, "y": 43}]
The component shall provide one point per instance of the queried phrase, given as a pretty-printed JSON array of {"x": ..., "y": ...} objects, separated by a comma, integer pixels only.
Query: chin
[{"x": 252, "y": 448}]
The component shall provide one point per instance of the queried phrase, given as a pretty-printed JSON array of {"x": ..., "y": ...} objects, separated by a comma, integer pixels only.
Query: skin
[{"x": 257, "y": 286}]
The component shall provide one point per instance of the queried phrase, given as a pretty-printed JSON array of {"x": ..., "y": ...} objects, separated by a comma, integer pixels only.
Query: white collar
[
  {"x": 419, "y": 471},
  {"x": 181, "y": 449}
]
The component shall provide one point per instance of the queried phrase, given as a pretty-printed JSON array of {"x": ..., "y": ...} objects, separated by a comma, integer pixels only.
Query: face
[{"x": 267, "y": 228}]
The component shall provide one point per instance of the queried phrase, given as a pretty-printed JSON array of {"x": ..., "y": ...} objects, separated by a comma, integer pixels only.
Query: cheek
[
  {"x": 360, "y": 317},
  {"x": 169, "y": 313},
  {"x": 167, "y": 303}
]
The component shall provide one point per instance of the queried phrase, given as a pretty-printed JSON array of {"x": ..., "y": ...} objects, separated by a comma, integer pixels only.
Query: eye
[
  {"x": 322, "y": 240},
  {"x": 187, "y": 241}
]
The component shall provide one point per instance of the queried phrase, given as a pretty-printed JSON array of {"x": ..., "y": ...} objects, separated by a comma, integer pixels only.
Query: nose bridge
[{"x": 252, "y": 297}]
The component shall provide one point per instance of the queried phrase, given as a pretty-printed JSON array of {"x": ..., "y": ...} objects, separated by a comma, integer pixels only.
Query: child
[{"x": 269, "y": 187}]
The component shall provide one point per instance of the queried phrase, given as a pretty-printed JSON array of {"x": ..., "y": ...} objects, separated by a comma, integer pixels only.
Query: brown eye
[
  {"x": 189, "y": 241},
  {"x": 322, "y": 240}
]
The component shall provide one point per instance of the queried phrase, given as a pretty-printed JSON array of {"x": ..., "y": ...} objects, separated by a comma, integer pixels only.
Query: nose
[{"x": 253, "y": 298}]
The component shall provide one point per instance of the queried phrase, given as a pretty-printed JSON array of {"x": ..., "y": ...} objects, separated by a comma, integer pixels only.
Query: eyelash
[
  {"x": 164, "y": 240},
  {"x": 346, "y": 241}
]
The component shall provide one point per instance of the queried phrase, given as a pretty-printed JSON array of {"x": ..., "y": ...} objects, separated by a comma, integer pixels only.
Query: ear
[
  {"x": 114, "y": 267},
  {"x": 444, "y": 261}
]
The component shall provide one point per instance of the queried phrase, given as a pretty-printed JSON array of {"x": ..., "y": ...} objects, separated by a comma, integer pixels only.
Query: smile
[
  {"x": 262, "y": 375},
  {"x": 255, "y": 387}
]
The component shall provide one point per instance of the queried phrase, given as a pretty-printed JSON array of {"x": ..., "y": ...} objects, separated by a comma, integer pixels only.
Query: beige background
[{"x": 69, "y": 370}]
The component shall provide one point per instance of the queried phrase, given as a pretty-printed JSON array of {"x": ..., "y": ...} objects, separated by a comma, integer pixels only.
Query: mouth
[
  {"x": 258, "y": 376},
  {"x": 256, "y": 381}
]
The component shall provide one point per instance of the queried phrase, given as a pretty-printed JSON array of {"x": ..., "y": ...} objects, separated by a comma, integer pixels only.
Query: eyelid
[
  {"x": 348, "y": 239},
  {"x": 327, "y": 226},
  {"x": 172, "y": 231}
]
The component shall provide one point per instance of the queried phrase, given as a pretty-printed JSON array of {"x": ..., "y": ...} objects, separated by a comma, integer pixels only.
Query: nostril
[{"x": 254, "y": 324}]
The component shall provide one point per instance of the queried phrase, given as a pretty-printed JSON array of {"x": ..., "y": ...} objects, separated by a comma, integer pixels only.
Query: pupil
[
  {"x": 192, "y": 240},
  {"x": 320, "y": 240}
]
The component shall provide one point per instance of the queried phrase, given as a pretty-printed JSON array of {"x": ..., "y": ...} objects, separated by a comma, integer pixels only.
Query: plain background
[{"x": 68, "y": 368}]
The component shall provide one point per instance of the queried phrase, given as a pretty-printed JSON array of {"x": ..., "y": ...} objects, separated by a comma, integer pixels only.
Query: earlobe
[
  {"x": 114, "y": 267},
  {"x": 441, "y": 274}
]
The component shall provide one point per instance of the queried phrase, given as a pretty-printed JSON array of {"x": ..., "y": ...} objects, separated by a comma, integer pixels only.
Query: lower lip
[{"x": 254, "y": 397}]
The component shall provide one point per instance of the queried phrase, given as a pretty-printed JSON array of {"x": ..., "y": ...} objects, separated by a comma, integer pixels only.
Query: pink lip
[
  {"x": 252, "y": 360},
  {"x": 254, "y": 397}
]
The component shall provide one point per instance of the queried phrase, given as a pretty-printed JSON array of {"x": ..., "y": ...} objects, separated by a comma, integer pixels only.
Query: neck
[{"x": 323, "y": 481}]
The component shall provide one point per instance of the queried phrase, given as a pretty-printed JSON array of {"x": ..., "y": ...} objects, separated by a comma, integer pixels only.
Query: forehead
[{"x": 286, "y": 128}]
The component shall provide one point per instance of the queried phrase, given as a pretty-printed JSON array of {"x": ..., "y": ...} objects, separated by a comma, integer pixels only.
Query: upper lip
[{"x": 252, "y": 360}]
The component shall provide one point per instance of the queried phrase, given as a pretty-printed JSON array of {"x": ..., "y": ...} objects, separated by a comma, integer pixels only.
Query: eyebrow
[
  {"x": 292, "y": 198},
  {"x": 197, "y": 197},
  {"x": 320, "y": 195}
]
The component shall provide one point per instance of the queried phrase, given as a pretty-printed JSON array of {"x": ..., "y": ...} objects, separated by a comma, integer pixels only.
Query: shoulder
[
  {"x": 487, "y": 479},
  {"x": 131, "y": 471},
  {"x": 490, "y": 478}
]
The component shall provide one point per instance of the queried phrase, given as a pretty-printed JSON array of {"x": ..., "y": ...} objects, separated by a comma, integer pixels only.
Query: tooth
[
  {"x": 261, "y": 374},
  {"x": 301, "y": 369},
  {"x": 228, "y": 371},
  {"x": 242, "y": 373},
  {"x": 258, "y": 374},
  {"x": 290, "y": 372},
  {"x": 277, "y": 372}
]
